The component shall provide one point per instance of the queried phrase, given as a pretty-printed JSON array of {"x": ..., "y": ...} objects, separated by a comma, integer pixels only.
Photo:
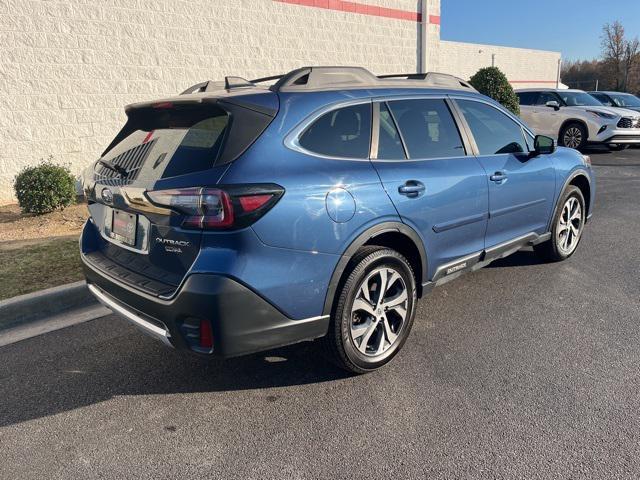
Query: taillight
[{"x": 236, "y": 206}]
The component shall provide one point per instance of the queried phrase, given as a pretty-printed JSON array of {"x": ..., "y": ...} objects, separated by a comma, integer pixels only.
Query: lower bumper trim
[
  {"x": 148, "y": 327},
  {"x": 623, "y": 139}
]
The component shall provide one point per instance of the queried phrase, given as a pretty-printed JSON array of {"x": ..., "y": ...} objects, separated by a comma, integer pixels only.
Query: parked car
[
  {"x": 236, "y": 218},
  {"x": 576, "y": 119},
  {"x": 618, "y": 100}
]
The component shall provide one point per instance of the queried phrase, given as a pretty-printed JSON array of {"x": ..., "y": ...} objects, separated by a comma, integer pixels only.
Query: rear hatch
[{"x": 169, "y": 154}]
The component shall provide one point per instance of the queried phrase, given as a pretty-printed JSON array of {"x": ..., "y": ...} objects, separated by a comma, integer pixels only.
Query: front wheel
[
  {"x": 374, "y": 311},
  {"x": 568, "y": 224},
  {"x": 573, "y": 135}
]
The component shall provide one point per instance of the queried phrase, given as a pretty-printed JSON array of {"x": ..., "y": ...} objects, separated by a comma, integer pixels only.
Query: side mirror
[
  {"x": 543, "y": 145},
  {"x": 553, "y": 104}
]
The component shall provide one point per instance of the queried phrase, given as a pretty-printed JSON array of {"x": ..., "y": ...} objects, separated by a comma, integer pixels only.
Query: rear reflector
[
  {"x": 206, "y": 336},
  {"x": 253, "y": 202}
]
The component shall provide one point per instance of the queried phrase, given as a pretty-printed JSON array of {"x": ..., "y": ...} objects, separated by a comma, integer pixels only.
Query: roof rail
[
  {"x": 435, "y": 79},
  {"x": 308, "y": 79},
  {"x": 323, "y": 78},
  {"x": 228, "y": 84},
  {"x": 267, "y": 79}
]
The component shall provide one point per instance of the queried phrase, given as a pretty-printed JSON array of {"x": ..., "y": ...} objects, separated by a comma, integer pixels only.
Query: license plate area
[{"x": 124, "y": 226}]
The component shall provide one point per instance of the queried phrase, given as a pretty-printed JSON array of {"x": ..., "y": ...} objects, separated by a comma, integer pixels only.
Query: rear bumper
[{"x": 242, "y": 321}]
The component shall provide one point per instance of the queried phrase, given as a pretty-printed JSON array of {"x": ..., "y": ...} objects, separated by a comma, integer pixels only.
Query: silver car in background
[
  {"x": 576, "y": 119},
  {"x": 617, "y": 100}
]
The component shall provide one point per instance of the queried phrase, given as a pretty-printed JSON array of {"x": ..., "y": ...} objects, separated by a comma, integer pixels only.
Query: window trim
[
  {"x": 373, "y": 155},
  {"x": 467, "y": 146},
  {"x": 292, "y": 139},
  {"x": 468, "y": 141},
  {"x": 504, "y": 111}
]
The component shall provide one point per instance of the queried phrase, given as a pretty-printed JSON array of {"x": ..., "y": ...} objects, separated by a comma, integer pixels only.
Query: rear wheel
[
  {"x": 374, "y": 312},
  {"x": 573, "y": 135},
  {"x": 568, "y": 225}
]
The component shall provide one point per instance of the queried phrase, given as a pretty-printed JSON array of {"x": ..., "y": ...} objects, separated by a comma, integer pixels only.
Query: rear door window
[
  {"x": 494, "y": 132},
  {"x": 427, "y": 128},
  {"x": 342, "y": 133}
]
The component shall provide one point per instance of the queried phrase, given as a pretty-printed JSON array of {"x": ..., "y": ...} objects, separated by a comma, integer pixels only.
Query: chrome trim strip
[
  {"x": 147, "y": 327},
  {"x": 310, "y": 319},
  {"x": 117, "y": 242}
]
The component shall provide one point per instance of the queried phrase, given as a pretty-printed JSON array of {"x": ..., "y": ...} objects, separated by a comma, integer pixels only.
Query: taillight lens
[{"x": 219, "y": 208}]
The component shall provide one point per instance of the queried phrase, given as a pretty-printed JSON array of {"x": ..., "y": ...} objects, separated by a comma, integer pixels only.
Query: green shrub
[
  {"x": 490, "y": 81},
  {"x": 45, "y": 187}
]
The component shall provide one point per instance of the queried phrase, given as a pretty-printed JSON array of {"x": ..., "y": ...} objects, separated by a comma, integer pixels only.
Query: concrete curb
[
  {"x": 39, "y": 305},
  {"x": 51, "y": 324}
]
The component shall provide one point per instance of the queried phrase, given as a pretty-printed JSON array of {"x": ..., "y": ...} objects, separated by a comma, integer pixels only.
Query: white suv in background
[{"x": 576, "y": 119}]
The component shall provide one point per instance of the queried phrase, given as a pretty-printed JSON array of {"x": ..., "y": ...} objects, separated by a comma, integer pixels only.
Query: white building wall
[
  {"x": 524, "y": 68},
  {"x": 67, "y": 68}
]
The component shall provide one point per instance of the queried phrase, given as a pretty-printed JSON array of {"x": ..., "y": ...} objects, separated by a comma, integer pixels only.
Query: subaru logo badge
[{"x": 107, "y": 196}]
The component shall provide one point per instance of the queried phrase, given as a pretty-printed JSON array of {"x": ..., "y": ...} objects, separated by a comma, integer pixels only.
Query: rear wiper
[{"x": 114, "y": 168}]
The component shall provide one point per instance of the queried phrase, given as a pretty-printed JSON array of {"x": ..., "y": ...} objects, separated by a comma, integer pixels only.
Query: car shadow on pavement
[
  {"x": 87, "y": 364},
  {"x": 523, "y": 258}
]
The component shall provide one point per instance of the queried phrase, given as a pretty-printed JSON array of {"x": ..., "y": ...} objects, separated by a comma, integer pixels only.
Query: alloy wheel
[
  {"x": 379, "y": 311},
  {"x": 572, "y": 137},
  {"x": 569, "y": 226}
]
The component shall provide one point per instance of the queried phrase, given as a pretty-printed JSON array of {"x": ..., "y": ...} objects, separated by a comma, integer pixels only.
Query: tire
[
  {"x": 356, "y": 319},
  {"x": 564, "y": 239},
  {"x": 617, "y": 147},
  {"x": 573, "y": 135}
]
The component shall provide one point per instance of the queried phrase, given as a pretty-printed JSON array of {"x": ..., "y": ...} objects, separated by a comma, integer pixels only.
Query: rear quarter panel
[{"x": 301, "y": 220}]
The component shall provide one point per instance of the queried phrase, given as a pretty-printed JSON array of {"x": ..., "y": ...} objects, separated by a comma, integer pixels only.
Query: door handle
[
  {"x": 498, "y": 177},
  {"x": 411, "y": 188}
]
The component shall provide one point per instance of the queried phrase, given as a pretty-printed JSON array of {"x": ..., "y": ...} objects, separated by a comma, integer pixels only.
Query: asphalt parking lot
[{"x": 519, "y": 370}]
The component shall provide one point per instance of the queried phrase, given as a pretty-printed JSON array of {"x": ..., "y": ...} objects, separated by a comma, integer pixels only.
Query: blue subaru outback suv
[{"x": 236, "y": 217}]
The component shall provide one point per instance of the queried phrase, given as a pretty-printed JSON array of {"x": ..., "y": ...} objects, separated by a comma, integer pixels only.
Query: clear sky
[{"x": 568, "y": 26}]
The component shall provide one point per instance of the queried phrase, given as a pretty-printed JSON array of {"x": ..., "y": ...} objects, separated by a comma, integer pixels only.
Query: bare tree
[
  {"x": 613, "y": 48},
  {"x": 631, "y": 58}
]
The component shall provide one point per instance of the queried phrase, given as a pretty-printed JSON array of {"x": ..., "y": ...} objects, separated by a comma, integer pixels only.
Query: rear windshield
[{"x": 161, "y": 143}]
